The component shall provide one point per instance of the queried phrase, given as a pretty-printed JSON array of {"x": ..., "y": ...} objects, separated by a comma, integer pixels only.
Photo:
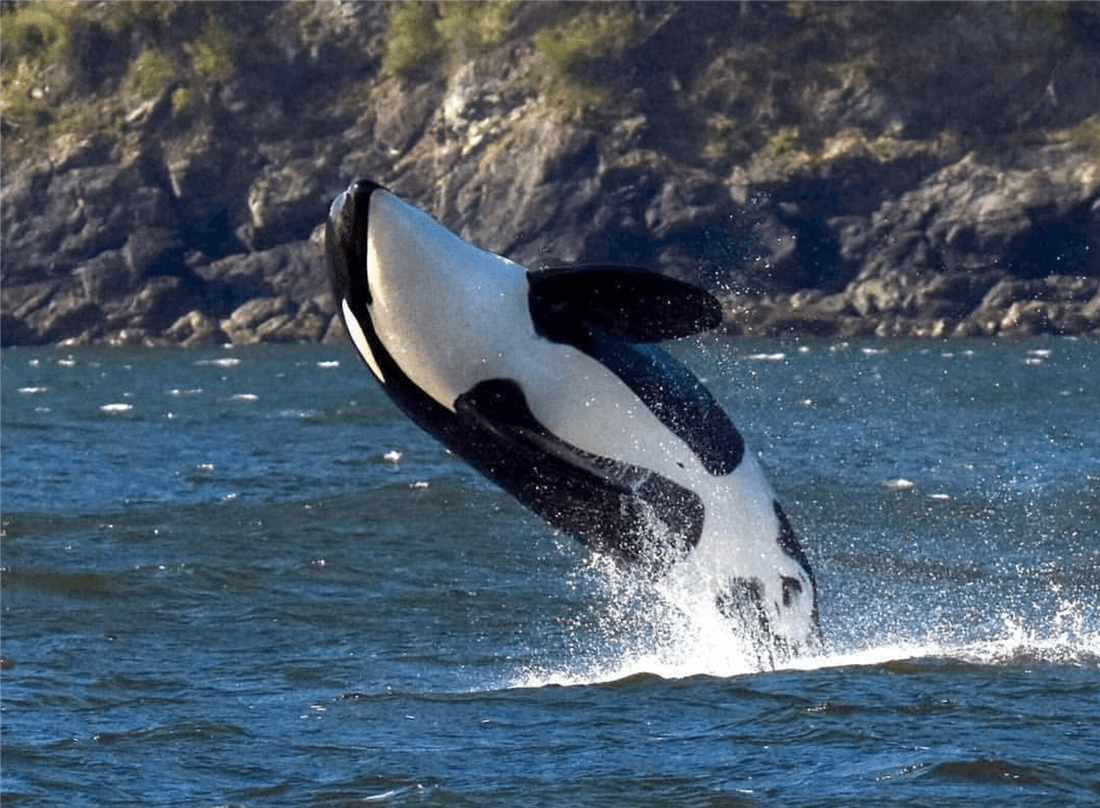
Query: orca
[{"x": 549, "y": 382}]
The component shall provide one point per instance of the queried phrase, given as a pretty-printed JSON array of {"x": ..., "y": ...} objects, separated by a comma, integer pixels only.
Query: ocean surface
[{"x": 240, "y": 577}]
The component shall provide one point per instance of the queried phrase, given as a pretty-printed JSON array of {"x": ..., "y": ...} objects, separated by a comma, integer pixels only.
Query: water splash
[{"x": 637, "y": 627}]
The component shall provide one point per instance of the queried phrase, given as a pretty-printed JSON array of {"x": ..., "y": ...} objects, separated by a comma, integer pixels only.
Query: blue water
[{"x": 240, "y": 577}]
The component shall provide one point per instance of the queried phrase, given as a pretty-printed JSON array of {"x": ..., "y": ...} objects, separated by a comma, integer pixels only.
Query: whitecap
[
  {"x": 30, "y": 391},
  {"x": 120, "y": 407},
  {"x": 899, "y": 484},
  {"x": 330, "y": 363},
  {"x": 767, "y": 357},
  {"x": 224, "y": 362},
  {"x": 244, "y": 397},
  {"x": 302, "y": 414}
]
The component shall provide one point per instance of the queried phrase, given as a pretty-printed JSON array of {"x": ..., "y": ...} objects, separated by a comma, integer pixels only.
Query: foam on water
[
  {"x": 1069, "y": 639},
  {"x": 642, "y": 631},
  {"x": 645, "y": 629}
]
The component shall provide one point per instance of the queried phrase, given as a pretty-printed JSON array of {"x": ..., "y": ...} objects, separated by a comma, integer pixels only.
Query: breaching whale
[{"x": 549, "y": 383}]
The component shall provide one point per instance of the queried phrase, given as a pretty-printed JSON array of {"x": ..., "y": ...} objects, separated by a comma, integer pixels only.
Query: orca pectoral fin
[
  {"x": 605, "y": 504},
  {"x": 631, "y": 303}
]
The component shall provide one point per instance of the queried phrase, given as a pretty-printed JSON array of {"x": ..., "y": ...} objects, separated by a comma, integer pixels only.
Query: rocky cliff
[{"x": 827, "y": 169}]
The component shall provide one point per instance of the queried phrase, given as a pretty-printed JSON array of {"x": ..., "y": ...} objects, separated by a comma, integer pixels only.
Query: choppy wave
[{"x": 302, "y": 599}]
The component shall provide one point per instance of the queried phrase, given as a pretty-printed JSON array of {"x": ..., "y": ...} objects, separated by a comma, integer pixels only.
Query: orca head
[
  {"x": 346, "y": 242},
  {"x": 346, "y": 246},
  {"x": 415, "y": 298}
]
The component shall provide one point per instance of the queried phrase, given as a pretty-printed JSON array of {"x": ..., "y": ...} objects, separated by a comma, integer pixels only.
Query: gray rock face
[{"x": 832, "y": 170}]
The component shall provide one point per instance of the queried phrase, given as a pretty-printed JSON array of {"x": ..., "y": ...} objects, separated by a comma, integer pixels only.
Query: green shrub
[
  {"x": 181, "y": 99},
  {"x": 151, "y": 73},
  {"x": 36, "y": 31},
  {"x": 34, "y": 45},
  {"x": 581, "y": 46},
  {"x": 1086, "y": 135},
  {"x": 468, "y": 28},
  {"x": 214, "y": 52},
  {"x": 420, "y": 35},
  {"x": 412, "y": 39},
  {"x": 594, "y": 31}
]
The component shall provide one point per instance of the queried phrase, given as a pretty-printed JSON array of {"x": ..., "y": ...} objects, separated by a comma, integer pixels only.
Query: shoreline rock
[{"x": 791, "y": 158}]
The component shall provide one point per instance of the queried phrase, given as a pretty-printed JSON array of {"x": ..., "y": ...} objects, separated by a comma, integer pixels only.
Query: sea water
[{"x": 241, "y": 577}]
